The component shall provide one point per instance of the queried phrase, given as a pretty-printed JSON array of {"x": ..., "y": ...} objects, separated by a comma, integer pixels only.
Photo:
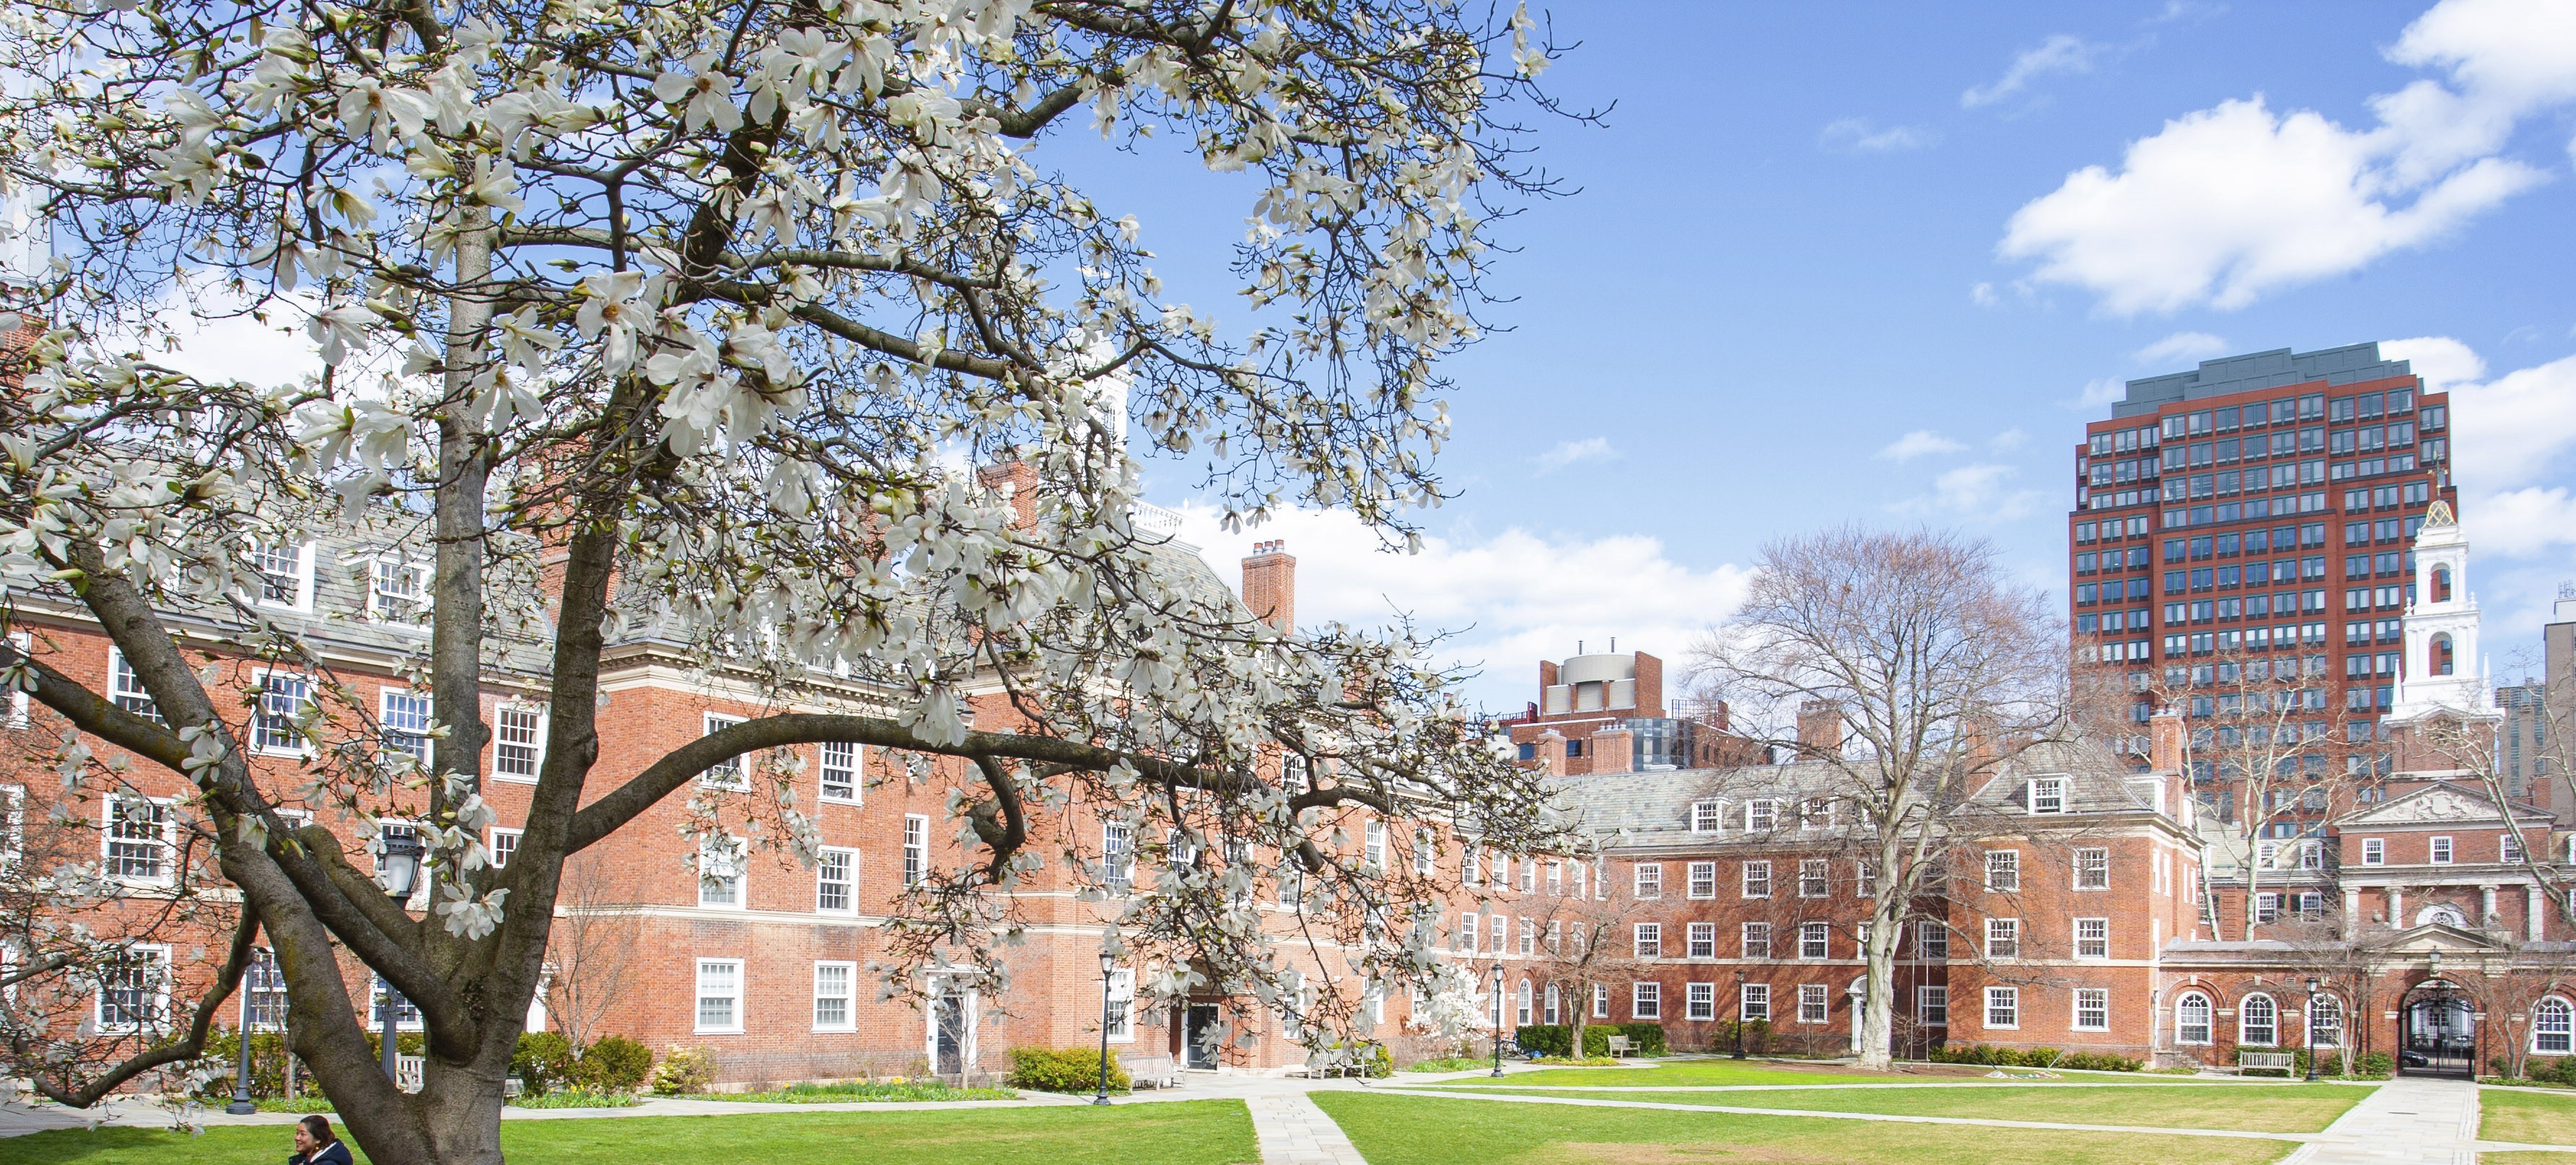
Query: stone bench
[
  {"x": 2282, "y": 1062},
  {"x": 1151, "y": 1071}
]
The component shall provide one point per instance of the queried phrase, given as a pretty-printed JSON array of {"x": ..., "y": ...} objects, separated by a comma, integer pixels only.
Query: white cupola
[{"x": 2443, "y": 669}]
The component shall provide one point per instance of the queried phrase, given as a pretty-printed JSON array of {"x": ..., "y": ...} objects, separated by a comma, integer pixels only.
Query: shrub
[
  {"x": 1992, "y": 1056},
  {"x": 1554, "y": 1039},
  {"x": 2374, "y": 1064},
  {"x": 267, "y": 1065},
  {"x": 576, "y": 1098},
  {"x": 614, "y": 1064},
  {"x": 543, "y": 1062},
  {"x": 1449, "y": 1064},
  {"x": 684, "y": 1071},
  {"x": 1577, "y": 1061},
  {"x": 1063, "y": 1070}
]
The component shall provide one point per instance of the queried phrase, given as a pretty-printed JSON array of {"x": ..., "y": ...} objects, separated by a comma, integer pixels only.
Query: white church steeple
[{"x": 2443, "y": 672}]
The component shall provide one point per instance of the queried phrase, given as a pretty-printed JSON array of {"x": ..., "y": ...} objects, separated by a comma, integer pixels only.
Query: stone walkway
[
  {"x": 1898, "y": 1118},
  {"x": 2409, "y": 1121},
  {"x": 1293, "y": 1131}
]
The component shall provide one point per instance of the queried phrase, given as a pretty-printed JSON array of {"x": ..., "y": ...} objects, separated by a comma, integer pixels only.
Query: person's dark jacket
[{"x": 335, "y": 1153}]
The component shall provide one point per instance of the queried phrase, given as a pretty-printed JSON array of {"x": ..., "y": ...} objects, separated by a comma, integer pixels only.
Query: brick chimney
[
  {"x": 2165, "y": 741},
  {"x": 1613, "y": 750},
  {"x": 1016, "y": 481},
  {"x": 1820, "y": 728},
  {"x": 1270, "y": 585}
]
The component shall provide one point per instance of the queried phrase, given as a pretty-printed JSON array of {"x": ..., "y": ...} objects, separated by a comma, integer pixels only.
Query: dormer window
[
  {"x": 284, "y": 575},
  {"x": 1707, "y": 817},
  {"x": 397, "y": 591},
  {"x": 2048, "y": 795},
  {"x": 1761, "y": 814}
]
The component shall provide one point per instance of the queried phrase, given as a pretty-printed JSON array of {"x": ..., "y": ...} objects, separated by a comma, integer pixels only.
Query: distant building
[{"x": 1605, "y": 713}]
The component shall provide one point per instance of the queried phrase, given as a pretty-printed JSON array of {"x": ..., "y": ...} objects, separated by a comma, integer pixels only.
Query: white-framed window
[
  {"x": 2048, "y": 795},
  {"x": 835, "y": 992},
  {"x": 2441, "y": 851},
  {"x": 1373, "y": 845},
  {"x": 2258, "y": 1021},
  {"x": 406, "y": 1013},
  {"x": 1757, "y": 940},
  {"x": 1117, "y": 857},
  {"x": 1554, "y": 1012},
  {"x": 2092, "y": 938},
  {"x": 134, "y": 990},
  {"x": 1529, "y": 874},
  {"x": 2003, "y": 938},
  {"x": 1815, "y": 940},
  {"x": 2325, "y": 1021},
  {"x": 1864, "y": 880},
  {"x": 1471, "y": 865},
  {"x": 2267, "y": 906},
  {"x": 1556, "y": 936},
  {"x": 1761, "y": 814},
  {"x": 719, "y": 996},
  {"x": 840, "y": 772},
  {"x": 2092, "y": 1009},
  {"x": 2374, "y": 851},
  {"x": 397, "y": 591},
  {"x": 1814, "y": 1005},
  {"x": 1707, "y": 817},
  {"x": 731, "y": 772},
  {"x": 1757, "y": 879},
  {"x": 1650, "y": 940},
  {"x": 2003, "y": 1007},
  {"x": 20, "y": 704},
  {"x": 1529, "y": 937},
  {"x": 1931, "y": 939},
  {"x": 1699, "y": 1001},
  {"x": 2507, "y": 849},
  {"x": 2003, "y": 870},
  {"x": 1522, "y": 1001},
  {"x": 2191, "y": 1018},
  {"x": 283, "y": 697},
  {"x": 124, "y": 688},
  {"x": 1646, "y": 1000},
  {"x": 1120, "y": 1016},
  {"x": 1467, "y": 924},
  {"x": 2092, "y": 868},
  {"x": 1754, "y": 1002},
  {"x": 504, "y": 846},
  {"x": 1423, "y": 850},
  {"x": 406, "y": 719},
  {"x": 282, "y": 575},
  {"x": 2553, "y": 1027},
  {"x": 720, "y": 870},
  {"x": 518, "y": 741},
  {"x": 264, "y": 987},
  {"x": 1600, "y": 1001},
  {"x": 1703, "y": 880},
  {"x": 1703, "y": 940},
  {"x": 1932, "y": 1005},
  {"x": 916, "y": 848},
  {"x": 1501, "y": 928},
  {"x": 1815, "y": 877},
  {"x": 1650, "y": 880},
  {"x": 836, "y": 881},
  {"x": 136, "y": 840}
]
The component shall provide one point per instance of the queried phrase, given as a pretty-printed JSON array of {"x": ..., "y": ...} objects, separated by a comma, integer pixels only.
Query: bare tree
[
  {"x": 596, "y": 948},
  {"x": 1588, "y": 945},
  {"x": 1942, "y": 666},
  {"x": 2266, "y": 744}
]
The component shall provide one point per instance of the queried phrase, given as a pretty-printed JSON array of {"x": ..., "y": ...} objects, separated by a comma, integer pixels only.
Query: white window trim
[
  {"x": 709, "y": 723},
  {"x": 2015, "y": 925},
  {"x": 2009, "y": 994},
  {"x": 13, "y": 801},
  {"x": 697, "y": 1011},
  {"x": 741, "y": 877},
  {"x": 2059, "y": 789},
  {"x": 858, "y": 777},
  {"x": 1646, "y": 999},
  {"x": 303, "y": 580},
  {"x": 2441, "y": 851},
  {"x": 1640, "y": 937},
  {"x": 20, "y": 705},
  {"x": 1825, "y": 1003},
  {"x": 1691, "y": 881},
  {"x": 1122, "y": 989},
  {"x": 1924, "y": 994},
  {"x": 2076, "y": 872},
  {"x": 1747, "y": 997},
  {"x": 1745, "y": 878},
  {"x": 169, "y": 846},
  {"x": 1641, "y": 886},
  {"x": 822, "y": 863},
  {"x": 492, "y": 845},
  {"x": 849, "y": 1002},
  {"x": 1699, "y": 1002},
  {"x": 539, "y": 764},
  {"x": 916, "y": 855},
  {"x": 158, "y": 954},
  {"x": 2563, "y": 1002},
  {"x": 384, "y": 721},
  {"x": 2075, "y": 1016},
  {"x": 420, "y": 570},
  {"x": 259, "y": 687},
  {"x": 2077, "y": 938},
  {"x": 2244, "y": 1017}
]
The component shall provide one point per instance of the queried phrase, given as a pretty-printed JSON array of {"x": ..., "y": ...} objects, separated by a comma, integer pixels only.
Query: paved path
[
  {"x": 1295, "y": 1132},
  {"x": 2409, "y": 1121},
  {"x": 1740, "y": 1110}
]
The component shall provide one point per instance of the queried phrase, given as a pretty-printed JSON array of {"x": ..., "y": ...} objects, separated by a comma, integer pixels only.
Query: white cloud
[
  {"x": 2057, "y": 54},
  {"x": 1856, "y": 135},
  {"x": 2226, "y": 204},
  {"x": 2180, "y": 346},
  {"x": 1983, "y": 295},
  {"x": 1981, "y": 493},
  {"x": 2007, "y": 441},
  {"x": 1513, "y": 599},
  {"x": 2440, "y": 360},
  {"x": 2100, "y": 391},
  {"x": 1576, "y": 452},
  {"x": 2512, "y": 437},
  {"x": 1919, "y": 443},
  {"x": 2511, "y": 430}
]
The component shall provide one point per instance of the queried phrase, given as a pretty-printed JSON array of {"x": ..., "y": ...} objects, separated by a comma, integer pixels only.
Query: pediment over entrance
[
  {"x": 2440, "y": 803},
  {"x": 2439, "y": 937}
]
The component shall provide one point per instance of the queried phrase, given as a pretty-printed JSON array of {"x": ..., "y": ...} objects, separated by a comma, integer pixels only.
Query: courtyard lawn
[
  {"x": 1408, "y": 1130},
  {"x": 2527, "y": 1118},
  {"x": 1200, "y": 1132},
  {"x": 2303, "y": 1108},
  {"x": 1695, "y": 1073}
]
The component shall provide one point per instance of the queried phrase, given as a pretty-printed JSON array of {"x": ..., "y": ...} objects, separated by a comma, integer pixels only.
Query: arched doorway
[{"x": 2436, "y": 1031}]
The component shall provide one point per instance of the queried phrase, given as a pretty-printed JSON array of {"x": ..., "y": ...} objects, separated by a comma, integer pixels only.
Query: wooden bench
[
  {"x": 2284, "y": 1063},
  {"x": 1621, "y": 1046},
  {"x": 407, "y": 1071},
  {"x": 1150, "y": 1071}
]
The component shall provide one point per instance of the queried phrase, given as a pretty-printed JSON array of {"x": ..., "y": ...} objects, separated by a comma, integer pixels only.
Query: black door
[
  {"x": 948, "y": 1024},
  {"x": 2439, "y": 1036},
  {"x": 1198, "y": 1036}
]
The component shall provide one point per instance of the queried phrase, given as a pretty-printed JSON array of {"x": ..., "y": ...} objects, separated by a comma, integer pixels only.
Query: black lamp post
[
  {"x": 1739, "y": 1013},
  {"x": 402, "y": 871},
  {"x": 1498, "y": 1017},
  {"x": 1108, "y": 963},
  {"x": 241, "y": 1105},
  {"x": 2311, "y": 1025}
]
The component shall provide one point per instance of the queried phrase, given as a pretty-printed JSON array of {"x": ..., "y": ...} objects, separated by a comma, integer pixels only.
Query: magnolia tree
[
  {"x": 683, "y": 319},
  {"x": 1939, "y": 666}
]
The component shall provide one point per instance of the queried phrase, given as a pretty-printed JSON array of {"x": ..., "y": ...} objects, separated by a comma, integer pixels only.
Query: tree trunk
[
  {"x": 1876, "y": 1052},
  {"x": 1574, "y": 1017}
]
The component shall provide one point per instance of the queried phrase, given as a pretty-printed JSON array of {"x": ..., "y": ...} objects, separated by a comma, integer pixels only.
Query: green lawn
[
  {"x": 2526, "y": 1117},
  {"x": 1408, "y": 1130},
  {"x": 1202, "y": 1132},
  {"x": 1693, "y": 1073},
  {"x": 2302, "y": 1108}
]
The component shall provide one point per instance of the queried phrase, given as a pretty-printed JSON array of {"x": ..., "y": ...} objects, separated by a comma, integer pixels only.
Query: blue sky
[{"x": 1797, "y": 244}]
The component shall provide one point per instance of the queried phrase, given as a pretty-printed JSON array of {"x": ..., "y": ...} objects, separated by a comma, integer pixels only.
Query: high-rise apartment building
[{"x": 2260, "y": 510}]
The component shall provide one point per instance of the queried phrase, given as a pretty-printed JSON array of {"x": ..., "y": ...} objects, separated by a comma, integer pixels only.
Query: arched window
[
  {"x": 2441, "y": 665},
  {"x": 2441, "y": 584},
  {"x": 2553, "y": 1027},
  {"x": 1551, "y": 1001},
  {"x": 1525, "y": 1002},
  {"x": 2325, "y": 1021},
  {"x": 2191, "y": 1018},
  {"x": 2258, "y": 1022}
]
